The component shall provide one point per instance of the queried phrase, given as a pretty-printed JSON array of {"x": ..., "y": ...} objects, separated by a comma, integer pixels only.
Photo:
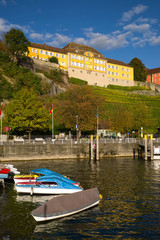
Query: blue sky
[{"x": 120, "y": 30}]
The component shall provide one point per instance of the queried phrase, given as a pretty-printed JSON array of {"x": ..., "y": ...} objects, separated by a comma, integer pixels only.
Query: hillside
[
  {"x": 48, "y": 81},
  {"x": 44, "y": 79}
]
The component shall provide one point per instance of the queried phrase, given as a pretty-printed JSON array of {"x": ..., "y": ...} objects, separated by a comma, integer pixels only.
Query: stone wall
[{"x": 61, "y": 151}]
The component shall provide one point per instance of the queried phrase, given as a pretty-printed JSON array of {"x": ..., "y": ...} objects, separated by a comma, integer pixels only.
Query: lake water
[{"x": 130, "y": 208}]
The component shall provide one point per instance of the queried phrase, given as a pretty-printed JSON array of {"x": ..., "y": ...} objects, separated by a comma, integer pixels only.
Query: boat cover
[{"x": 64, "y": 204}]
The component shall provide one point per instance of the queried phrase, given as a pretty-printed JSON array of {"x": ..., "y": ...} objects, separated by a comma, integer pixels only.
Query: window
[
  {"x": 123, "y": 69},
  {"x": 72, "y": 56},
  {"x": 41, "y": 52},
  {"x": 95, "y": 60},
  {"x": 34, "y": 50},
  {"x": 109, "y": 66},
  {"x": 116, "y": 74},
  {"x": 155, "y": 75},
  {"x": 117, "y": 67},
  {"x": 112, "y": 73},
  {"x": 123, "y": 75},
  {"x": 109, "y": 72},
  {"x": 127, "y": 75},
  {"x": 62, "y": 63},
  {"x": 80, "y": 58},
  {"x": 95, "y": 67},
  {"x": 112, "y": 67},
  {"x": 81, "y": 64},
  {"x": 155, "y": 80},
  {"x": 116, "y": 80},
  {"x": 102, "y": 62},
  {"x": 127, "y": 69},
  {"x": 112, "y": 79},
  {"x": 51, "y": 54},
  {"x": 88, "y": 54},
  {"x": 62, "y": 56},
  {"x": 57, "y": 55},
  {"x": 77, "y": 57}
]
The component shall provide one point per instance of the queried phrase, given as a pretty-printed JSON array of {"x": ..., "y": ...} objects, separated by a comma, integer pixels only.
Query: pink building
[{"x": 153, "y": 75}]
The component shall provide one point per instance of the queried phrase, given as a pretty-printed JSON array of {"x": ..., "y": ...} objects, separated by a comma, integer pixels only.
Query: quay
[
  {"x": 82, "y": 148},
  {"x": 69, "y": 149}
]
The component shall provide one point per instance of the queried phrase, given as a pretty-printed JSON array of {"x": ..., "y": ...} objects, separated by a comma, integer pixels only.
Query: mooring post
[
  {"x": 91, "y": 147},
  {"x": 97, "y": 148},
  {"x": 145, "y": 146},
  {"x": 151, "y": 139}
]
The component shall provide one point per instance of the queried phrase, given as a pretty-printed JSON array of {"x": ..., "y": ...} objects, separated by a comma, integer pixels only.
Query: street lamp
[{"x": 77, "y": 125}]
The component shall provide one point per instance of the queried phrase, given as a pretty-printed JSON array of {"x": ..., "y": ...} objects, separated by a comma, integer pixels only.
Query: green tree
[
  {"x": 26, "y": 113},
  {"x": 121, "y": 119},
  {"x": 140, "y": 72},
  {"x": 16, "y": 43},
  {"x": 53, "y": 60},
  {"x": 77, "y": 104}
]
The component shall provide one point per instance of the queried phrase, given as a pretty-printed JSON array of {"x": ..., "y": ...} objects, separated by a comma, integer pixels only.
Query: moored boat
[
  {"x": 52, "y": 185},
  {"x": 65, "y": 205}
]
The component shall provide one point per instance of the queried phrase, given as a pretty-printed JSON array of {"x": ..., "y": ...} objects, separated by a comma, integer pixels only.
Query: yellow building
[
  {"x": 119, "y": 73},
  {"x": 44, "y": 52},
  {"x": 86, "y": 63}
]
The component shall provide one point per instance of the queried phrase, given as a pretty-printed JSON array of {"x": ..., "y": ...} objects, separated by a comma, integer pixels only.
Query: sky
[{"x": 120, "y": 30}]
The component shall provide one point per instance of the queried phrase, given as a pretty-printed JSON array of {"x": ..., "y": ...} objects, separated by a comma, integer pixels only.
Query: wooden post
[
  {"x": 145, "y": 146},
  {"x": 151, "y": 138},
  {"x": 91, "y": 147},
  {"x": 97, "y": 148}
]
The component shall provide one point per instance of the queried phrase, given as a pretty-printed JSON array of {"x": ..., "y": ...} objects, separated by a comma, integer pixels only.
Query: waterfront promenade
[{"x": 66, "y": 149}]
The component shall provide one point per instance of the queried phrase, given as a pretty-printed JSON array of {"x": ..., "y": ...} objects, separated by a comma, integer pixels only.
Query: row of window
[
  {"x": 87, "y": 59},
  {"x": 116, "y": 80},
  {"x": 116, "y": 67},
  {"x": 117, "y": 74},
  {"x": 99, "y": 68},
  {"x": 48, "y": 53}
]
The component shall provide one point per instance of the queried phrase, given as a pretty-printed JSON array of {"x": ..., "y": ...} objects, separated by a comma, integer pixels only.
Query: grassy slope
[{"x": 114, "y": 97}]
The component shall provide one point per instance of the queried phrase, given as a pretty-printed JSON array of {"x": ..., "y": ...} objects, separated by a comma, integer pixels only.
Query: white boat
[
  {"x": 48, "y": 185},
  {"x": 65, "y": 205}
]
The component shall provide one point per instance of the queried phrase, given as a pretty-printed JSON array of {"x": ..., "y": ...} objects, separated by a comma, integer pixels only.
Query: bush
[
  {"x": 53, "y": 60},
  {"x": 78, "y": 81}
]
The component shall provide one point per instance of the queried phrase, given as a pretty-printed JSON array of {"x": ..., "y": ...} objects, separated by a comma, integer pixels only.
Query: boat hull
[
  {"x": 44, "y": 190},
  {"x": 66, "y": 205}
]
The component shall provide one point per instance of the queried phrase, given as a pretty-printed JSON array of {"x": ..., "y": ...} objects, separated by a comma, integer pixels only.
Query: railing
[{"x": 79, "y": 141}]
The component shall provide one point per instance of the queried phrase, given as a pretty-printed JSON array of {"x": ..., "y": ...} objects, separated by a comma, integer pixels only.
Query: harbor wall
[{"x": 62, "y": 151}]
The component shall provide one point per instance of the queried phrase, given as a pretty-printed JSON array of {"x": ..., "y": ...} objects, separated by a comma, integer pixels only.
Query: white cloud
[
  {"x": 155, "y": 40},
  {"x": 106, "y": 41},
  {"x": 59, "y": 40},
  {"x": 81, "y": 40},
  {"x": 134, "y": 11},
  {"x": 3, "y": 2},
  {"x": 133, "y": 27},
  {"x": 36, "y": 36}
]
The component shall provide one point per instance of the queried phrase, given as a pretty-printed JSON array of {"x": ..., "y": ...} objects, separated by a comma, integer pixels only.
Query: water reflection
[{"x": 130, "y": 208}]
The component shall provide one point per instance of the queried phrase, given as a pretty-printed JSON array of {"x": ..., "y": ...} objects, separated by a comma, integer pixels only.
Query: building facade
[
  {"x": 153, "y": 75},
  {"x": 86, "y": 63}
]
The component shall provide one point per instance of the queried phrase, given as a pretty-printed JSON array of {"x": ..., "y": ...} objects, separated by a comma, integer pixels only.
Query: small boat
[
  {"x": 65, "y": 205},
  {"x": 48, "y": 185},
  {"x": 41, "y": 174},
  {"x": 25, "y": 178}
]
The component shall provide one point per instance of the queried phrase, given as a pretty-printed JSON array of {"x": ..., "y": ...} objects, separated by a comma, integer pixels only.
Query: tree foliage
[
  {"x": 26, "y": 113},
  {"x": 77, "y": 104},
  {"x": 53, "y": 60},
  {"x": 16, "y": 42},
  {"x": 140, "y": 72}
]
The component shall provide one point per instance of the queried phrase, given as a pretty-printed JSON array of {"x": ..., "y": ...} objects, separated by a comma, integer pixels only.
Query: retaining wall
[{"x": 62, "y": 151}]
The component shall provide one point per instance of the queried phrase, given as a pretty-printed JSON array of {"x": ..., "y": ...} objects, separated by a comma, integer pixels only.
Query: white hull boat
[{"x": 66, "y": 205}]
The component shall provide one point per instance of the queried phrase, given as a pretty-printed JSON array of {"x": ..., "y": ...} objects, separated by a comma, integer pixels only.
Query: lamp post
[{"x": 77, "y": 125}]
